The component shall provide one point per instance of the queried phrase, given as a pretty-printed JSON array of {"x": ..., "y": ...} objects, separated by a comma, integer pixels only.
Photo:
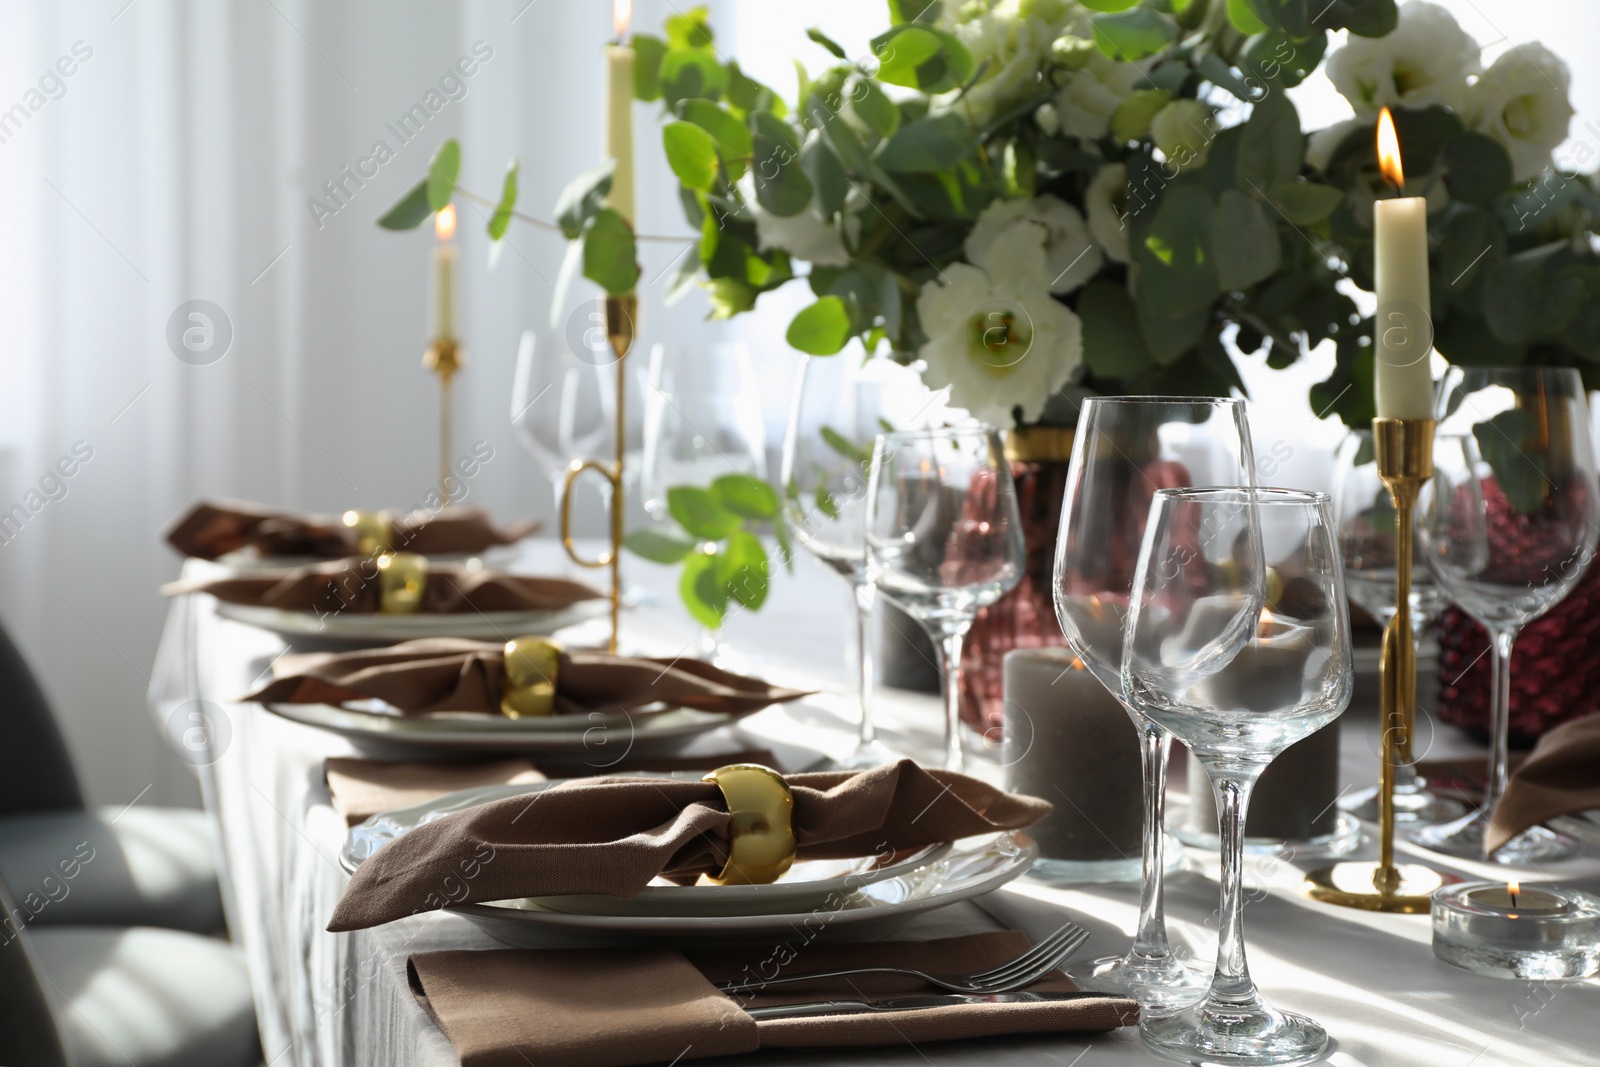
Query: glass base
[
  {"x": 1159, "y": 982},
  {"x": 1344, "y": 838},
  {"x": 1104, "y": 872},
  {"x": 1218, "y": 1032},
  {"x": 867, "y": 756},
  {"x": 1413, "y": 806},
  {"x": 1464, "y": 837}
]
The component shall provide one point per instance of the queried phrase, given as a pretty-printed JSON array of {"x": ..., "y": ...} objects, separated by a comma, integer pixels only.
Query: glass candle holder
[{"x": 1505, "y": 930}]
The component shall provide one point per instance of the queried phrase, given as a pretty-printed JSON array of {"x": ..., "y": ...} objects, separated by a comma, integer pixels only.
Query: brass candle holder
[
  {"x": 621, "y": 313},
  {"x": 1405, "y": 463},
  {"x": 444, "y": 357}
]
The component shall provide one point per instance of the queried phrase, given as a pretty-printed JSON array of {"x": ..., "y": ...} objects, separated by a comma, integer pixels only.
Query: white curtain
[{"x": 177, "y": 162}]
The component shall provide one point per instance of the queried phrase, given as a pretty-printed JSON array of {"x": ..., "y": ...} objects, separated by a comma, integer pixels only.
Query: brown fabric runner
[
  {"x": 613, "y": 835},
  {"x": 351, "y": 586},
  {"x": 455, "y": 674},
  {"x": 361, "y": 788},
  {"x": 619, "y": 1007},
  {"x": 1560, "y": 777},
  {"x": 215, "y": 528}
]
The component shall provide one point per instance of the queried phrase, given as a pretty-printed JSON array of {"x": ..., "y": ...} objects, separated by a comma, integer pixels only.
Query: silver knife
[{"x": 932, "y": 1000}]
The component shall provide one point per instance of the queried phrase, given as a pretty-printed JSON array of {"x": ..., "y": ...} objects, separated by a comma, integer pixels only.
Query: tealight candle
[{"x": 1547, "y": 932}]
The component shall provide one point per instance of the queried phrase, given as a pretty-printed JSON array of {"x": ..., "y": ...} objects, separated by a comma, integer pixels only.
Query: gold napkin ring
[
  {"x": 528, "y": 682},
  {"x": 374, "y": 531},
  {"x": 761, "y": 842},
  {"x": 402, "y": 581}
]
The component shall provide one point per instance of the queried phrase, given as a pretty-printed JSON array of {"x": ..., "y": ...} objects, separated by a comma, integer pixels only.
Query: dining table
[{"x": 339, "y": 1000}]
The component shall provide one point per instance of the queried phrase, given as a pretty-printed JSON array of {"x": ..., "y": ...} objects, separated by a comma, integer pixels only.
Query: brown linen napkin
[
  {"x": 619, "y": 1007},
  {"x": 215, "y": 528},
  {"x": 1560, "y": 777},
  {"x": 613, "y": 835},
  {"x": 351, "y": 586},
  {"x": 455, "y": 674},
  {"x": 361, "y": 788}
]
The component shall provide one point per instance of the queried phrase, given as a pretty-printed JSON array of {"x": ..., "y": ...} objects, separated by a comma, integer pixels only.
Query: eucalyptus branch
[{"x": 543, "y": 225}]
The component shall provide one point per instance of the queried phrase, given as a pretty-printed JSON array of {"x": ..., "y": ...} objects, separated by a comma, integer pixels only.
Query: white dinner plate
[
  {"x": 595, "y": 739},
  {"x": 245, "y": 560},
  {"x": 808, "y": 884},
  {"x": 375, "y": 628}
]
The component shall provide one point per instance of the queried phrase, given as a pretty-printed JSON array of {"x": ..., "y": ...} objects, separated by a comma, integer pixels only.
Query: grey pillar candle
[
  {"x": 1292, "y": 801},
  {"x": 1068, "y": 741}
]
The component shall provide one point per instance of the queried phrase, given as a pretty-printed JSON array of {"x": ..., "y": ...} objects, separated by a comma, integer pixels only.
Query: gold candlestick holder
[
  {"x": 1405, "y": 463},
  {"x": 444, "y": 357},
  {"x": 621, "y": 314}
]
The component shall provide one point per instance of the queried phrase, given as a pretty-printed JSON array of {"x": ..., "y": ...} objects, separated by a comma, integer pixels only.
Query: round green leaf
[
  {"x": 1109, "y": 5},
  {"x": 1306, "y": 203},
  {"x": 698, "y": 512},
  {"x": 781, "y": 183},
  {"x": 734, "y": 143},
  {"x": 442, "y": 174},
  {"x": 1244, "y": 241},
  {"x": 691, "y": 153},
  {"x": 1244, "y": 18},
  {"x": 821, "y": 329},
  {"x": 1477, "y": 168},
  {"x": 935, "y": 143},
  {"x": 745, "y": 570},
  {"x": 648, "y": 52},
  {"x": 500, "y": 221},
  {"x": 410, "y": 210},
  {"x": 610, "y": 259},
  {"x": 658, "y": 546},
  {"x": 746, "y": 496},
  {"x": 687, "y": 73},
  {"x": 1133, "y": 34},
  {"x": 702, "y": 590}
]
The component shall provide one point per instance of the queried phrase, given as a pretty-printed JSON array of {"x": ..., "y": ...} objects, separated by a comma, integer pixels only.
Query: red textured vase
[{"x": 1026, "y": 616}]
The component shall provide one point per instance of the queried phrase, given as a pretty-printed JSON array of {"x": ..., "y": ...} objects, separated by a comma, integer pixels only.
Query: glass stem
[
  {"x": 950, "y": 645},
  {"x": 1150, "y": 941},
  {"x": 865, "y": 595},
  {"x": 1500, "y": 716},
  {"x": 1232, "y": 979}
]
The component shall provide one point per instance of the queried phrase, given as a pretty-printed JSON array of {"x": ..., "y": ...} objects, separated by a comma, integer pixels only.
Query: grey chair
[
  {"x": 96, "y": 996},
  {"x": 69, "y": 865}
]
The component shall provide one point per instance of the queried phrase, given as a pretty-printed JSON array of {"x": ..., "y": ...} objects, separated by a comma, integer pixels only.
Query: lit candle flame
[
  {"x": 444, "y": 223},
  {"x": 1389, "y": 151},
  {"x": 621, "y": 16},
  {"x": 1077, "y": 664}
]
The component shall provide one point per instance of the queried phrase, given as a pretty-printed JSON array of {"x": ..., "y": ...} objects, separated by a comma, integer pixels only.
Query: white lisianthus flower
[
  {"x": 999, "y": 340},
  {"x": 1008, "y": 41},
  {"x": 806, "y": 236},
  {"x": 1092, "y": 94},
  {"x": 1426, "y": 59},
  {"x": 1522, "y": 102},
  {"x": 1071, "y": 259},
  {"x": 1106, "y": 201},
  {"x": 1183, "y": 130},
  {"x": 1321, "y": 145}
]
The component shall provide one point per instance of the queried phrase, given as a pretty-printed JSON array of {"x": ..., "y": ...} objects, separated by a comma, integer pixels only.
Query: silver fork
[{"x": 1023, "y": 971}]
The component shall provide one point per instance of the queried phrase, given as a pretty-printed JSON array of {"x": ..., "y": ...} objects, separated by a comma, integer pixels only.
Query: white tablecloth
[{"x": 325, "y": 999}]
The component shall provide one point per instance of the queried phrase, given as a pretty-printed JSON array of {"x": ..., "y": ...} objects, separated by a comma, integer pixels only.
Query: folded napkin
[
  {"x": 360, "y": 788},
  {"x": 352, "y": 585},
  {"x": 1561, "y": 776},
  {"x": 613, "y": 835},
  {"x": 617, "y": 1007},
  {"x": 215, "y": 528},
  {"x": 455, "y": 674}
]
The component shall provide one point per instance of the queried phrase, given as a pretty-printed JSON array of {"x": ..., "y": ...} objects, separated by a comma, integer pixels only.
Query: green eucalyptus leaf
[
  {"x": 818, "y": 37},
  {"x": 583, "y": 196},
  {"x": 1306, "y": 203},
  {"x": 410, "y": 210},
  {"x": 1215, "y": 70},
  {"x": 702, "y": 590},
  {"x": 874, "y": 107},
  {"x": 1472, "y": 238},
  {"x": 821, "y": 329},
  {"x": 691, "y": 153},
  {"x": 844, "y": 447},
  {"x": 647, "y": 55},
  {"x": 657, "y": 545},
  {"x": 746, "y": 572},
  {"x": 733, "y": 141},
  {"x": 746, "y": 94},
  {"x": 1131, "y": 120},
  {"x": 1477, "y": 168},
  {"x": 442, "y": 174},
  {"x": 746, "y": 496},
  {"x": 1275, "y": 56},
  {"x": 690, "y": 73},
  {"x": 827, "y": 175},
  {"x": 922, "y": 57},
  {"x": 700, "y": 513},
  {"x": 1244, "y": 17},
  {"x": 1133, "y": 34},
  {"x": 1113, "y": 347},
  {"x": 610, "y": 259},
  {"x": 690, "y": 29},
  {"x": 781, "y": 183},
  {"x": 1271, "y": 146},
  {"x": 1245, "y": 242},
  {"x": 934, "y": 143},
  {"x": 902, "y": 11},
  {"x": 1109, "y": 5},
  {"x": 500, "y": 221}
]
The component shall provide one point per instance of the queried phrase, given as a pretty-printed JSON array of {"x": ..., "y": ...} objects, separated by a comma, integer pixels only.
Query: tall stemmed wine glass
[
  {"x": 1365, "y": 514},
  {"x": 1124, "y": 450},
  {"x": 943, "y": 539},
  {"x": 556, "y": 408},
  {"x": 1238, "y": 642},
  {"x": 1510, "y": 528},
  {"x": 838, "y": 409}
]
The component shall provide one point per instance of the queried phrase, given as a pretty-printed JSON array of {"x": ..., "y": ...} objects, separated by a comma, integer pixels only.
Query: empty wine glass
[
  {"x": 1510, "y": 528},
  {"x": 556, "y": 408},
  {"x": 943, "y": 539},
  {"x": 702, "y": 420},
  {"x": 1124, "y": 450},
  {"x": 1238, "y": 642},
  {"x": 838, "y": 409},
  {"x": 1365, "y": 514}
]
